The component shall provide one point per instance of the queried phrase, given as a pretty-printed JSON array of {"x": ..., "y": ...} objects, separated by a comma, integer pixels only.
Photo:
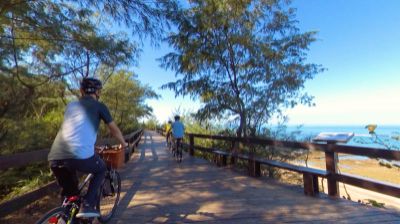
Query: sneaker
[{"x": 87, "y": 212}]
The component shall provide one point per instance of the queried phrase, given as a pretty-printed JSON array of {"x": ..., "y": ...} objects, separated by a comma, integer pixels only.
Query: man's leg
[
  {"x": 173, "y": 140},
  {"x": 96, "y": 166},
  {"x": 179, "y": 147},
  {"x": 66, "y": 177}
]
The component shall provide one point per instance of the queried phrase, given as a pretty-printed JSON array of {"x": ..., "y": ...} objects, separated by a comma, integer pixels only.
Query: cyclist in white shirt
[{"x": 73, "y": 147}]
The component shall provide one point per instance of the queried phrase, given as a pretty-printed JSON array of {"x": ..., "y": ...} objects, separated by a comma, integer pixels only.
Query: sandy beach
[
  {"x": 362, "y": 167},
  {"x": 369, "y": 168}
]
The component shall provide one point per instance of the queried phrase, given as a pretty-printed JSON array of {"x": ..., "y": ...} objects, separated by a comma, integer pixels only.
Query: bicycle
[
  {"x": 109, "y": 194},
  {"x": 177, "y": 147}
]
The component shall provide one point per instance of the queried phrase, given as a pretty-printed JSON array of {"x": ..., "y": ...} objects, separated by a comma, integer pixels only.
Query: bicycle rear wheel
[
  {"x": 173, "y": 148},
  {"x": 56, "y": 215},
  {"x": 109, "y": 196},
  {"x": 179, "y": 150}
]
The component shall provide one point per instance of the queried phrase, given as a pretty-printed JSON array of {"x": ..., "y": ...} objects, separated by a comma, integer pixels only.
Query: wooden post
[
  {"x": 223, "y": 162},
  {"x": 316, "y": 186},
  {"x": 233, "y": 152},
  {"x": 191, "y": 145},
  {"x": 331, "y": 159},
  {"x": 310, "y": 183},
  {"x": 127, "y": 155},
  {"x": 133, "y": 149},
  {"x": 252, "y": 164},
  {"x": 138, "y": 135},
  {"x": 215, "y": 159},
  {"x": 257, "y": 169}
]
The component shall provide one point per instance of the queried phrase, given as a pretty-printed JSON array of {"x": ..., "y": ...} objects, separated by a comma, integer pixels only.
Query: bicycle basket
[{"x": 113, "y": 157}]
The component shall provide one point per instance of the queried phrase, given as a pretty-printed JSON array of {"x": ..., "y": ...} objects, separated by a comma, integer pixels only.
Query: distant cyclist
[
  {"x": 73, "y": 148},
  {"x": 178, "y": 131},
  {"x": 168, "y": 131}
]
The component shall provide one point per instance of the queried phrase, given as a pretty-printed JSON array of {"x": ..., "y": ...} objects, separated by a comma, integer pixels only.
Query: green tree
[
  {"x": 151, "y": 123},
  {"x": 59, "y": 40},
  {"x": 143, "y": 18},
  {"x": 29, "y": 117},
  {"x": 45, "y": 42},
  {"x": 68, "y": 40},
  {"x": 125, "y": 96},
  {"x": 244, "y": 59}
]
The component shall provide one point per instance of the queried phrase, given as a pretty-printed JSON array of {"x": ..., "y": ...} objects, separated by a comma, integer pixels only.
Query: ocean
[{"x": 387, "y": 137}]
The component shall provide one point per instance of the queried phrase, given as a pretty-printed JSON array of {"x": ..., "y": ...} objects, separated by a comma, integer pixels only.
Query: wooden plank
[
  {"x": 22, "y": 159},
  {"x": 288, "y": 166},
  {"x": 113, "y": 141},
  {"x": 299, "y": 169},
  {"x": 220, "y": 152},
  {"x": 204, "y": 149},
  {"x": 369, "y": 152},
  {"x": 366, "y": 183},
  {"x": 262, "y": 141},
  {"x": 133, "y": 134},
  {"x": 362, "y": 151},
  {"x": 137, "y": 140},
  {"x": 21, "y": 201}
]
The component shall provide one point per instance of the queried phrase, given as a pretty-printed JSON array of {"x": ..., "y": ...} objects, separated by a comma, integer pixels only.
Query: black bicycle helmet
[{"x": 90, "y": 85}]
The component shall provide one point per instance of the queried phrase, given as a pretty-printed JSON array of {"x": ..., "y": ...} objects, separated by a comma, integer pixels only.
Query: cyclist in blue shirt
[
  {"x": 178, "y": 131},
  {"x": 73, "y": 147}
]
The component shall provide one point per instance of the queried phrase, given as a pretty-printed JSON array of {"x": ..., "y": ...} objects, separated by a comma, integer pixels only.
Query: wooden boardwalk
[{"x": 156, "y": 189}]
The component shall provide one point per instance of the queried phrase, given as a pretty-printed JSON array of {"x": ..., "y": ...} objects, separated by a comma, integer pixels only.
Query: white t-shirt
[{"x": 78, "y": 132}]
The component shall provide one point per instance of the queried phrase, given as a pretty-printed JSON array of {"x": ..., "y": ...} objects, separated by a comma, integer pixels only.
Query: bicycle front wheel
[
  {"x": 109, "y": 196},
  {"x": 56, "y": 215}
]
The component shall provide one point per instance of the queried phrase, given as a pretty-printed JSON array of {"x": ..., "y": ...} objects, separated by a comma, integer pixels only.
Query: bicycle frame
[
  {"x": 177, "y": 149},
  {"x": 74, "y": 201},
  {"x": 71, "y": 204},
  {"x": 173, "y": 145}
]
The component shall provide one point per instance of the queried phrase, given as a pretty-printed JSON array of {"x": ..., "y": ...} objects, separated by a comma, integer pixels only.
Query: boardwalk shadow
[
  {"x": 148, "y": 143},
  {"x": 132, "y": 183}
]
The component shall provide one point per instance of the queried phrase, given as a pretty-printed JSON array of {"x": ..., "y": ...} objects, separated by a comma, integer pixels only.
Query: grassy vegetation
[
  {"x": 375, "y": 203},
  {"x": 18, "y": 181}
]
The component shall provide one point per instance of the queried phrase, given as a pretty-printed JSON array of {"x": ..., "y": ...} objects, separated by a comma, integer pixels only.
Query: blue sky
[{"x": 359, "y": 45}]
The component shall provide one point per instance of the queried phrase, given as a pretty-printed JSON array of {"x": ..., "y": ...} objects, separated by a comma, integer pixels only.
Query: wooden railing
[
  {"x": 24, "y": 159},
  {"x": 310, "y": 175}
]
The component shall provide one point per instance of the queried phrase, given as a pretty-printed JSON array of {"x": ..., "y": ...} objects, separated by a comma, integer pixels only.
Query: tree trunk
[{"x": 241, "y": 131}]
